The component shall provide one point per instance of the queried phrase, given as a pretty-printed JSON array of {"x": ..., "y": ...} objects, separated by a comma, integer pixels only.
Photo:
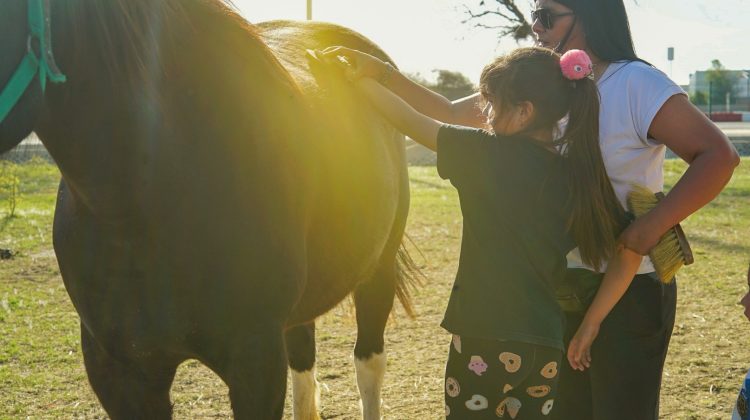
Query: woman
[{"x": 642, "y": 112}]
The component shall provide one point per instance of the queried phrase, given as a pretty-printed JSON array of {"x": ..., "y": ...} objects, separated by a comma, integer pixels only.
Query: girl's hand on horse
[
  {"x": 355, "y": 64},
  {"x": 579, "y": 350}
]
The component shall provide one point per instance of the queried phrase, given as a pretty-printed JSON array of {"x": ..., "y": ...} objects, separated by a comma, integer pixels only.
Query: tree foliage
[
  {"x": 722, "y": 82},
  {"x": 451, "y": 84},
  {"x": 699, "y": 98}
]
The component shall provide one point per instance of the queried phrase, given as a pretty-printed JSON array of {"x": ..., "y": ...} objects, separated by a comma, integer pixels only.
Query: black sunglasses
[{"x": 546, "y": 17}]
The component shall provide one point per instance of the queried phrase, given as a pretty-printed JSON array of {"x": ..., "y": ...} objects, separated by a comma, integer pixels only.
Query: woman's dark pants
[{"x": 627, "y": 357}]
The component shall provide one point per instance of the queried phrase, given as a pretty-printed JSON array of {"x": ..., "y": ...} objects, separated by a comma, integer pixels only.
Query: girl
[{"x": 524, "y": 204}]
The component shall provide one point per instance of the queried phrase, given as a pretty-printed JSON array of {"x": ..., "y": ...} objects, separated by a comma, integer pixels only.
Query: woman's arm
[
  {"x": 620, "y": 272},
  {"x": 406, "y": 119},
  {"x": 685, "y": 130},
  {"x": 464, "y": 111}
]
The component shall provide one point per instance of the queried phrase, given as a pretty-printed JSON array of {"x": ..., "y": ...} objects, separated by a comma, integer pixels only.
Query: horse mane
[{"x": 135, "y": 39}]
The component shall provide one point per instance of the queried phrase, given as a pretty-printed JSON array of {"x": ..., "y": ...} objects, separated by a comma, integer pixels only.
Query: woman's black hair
[{"x": 606, "y": 27}]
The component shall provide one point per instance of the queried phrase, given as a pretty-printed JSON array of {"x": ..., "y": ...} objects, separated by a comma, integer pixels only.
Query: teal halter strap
[{"x": 44, "y": 64}]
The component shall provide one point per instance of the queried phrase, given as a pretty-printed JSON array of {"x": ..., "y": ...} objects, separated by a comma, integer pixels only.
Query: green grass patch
[
  {"x": 28, "y": 229},
  {"x": 42, "y": 374}
]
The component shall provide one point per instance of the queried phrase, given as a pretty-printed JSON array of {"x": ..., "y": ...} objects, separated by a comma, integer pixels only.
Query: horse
[{"x": 220, "y": 190}]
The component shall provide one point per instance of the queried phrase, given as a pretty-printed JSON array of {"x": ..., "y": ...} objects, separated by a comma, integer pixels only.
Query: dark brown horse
[{"x": 220, "y": 191}]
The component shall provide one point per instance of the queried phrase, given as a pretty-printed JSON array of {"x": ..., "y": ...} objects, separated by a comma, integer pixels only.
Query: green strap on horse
[{"x": 31, "y": 65}]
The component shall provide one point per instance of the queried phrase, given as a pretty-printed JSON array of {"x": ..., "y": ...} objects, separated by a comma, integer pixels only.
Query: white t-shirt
[{"x": 631, "y": 93}]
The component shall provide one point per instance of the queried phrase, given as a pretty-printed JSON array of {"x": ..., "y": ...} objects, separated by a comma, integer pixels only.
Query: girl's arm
[
  {"x": 406, "y": 119},
  {"x": 685, "y": 130},
  {"x": 620, "y": 272},
  {"x": 464, "y": 111}
]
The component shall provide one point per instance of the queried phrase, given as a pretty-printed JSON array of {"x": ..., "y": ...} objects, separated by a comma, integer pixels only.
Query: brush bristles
[
  {"x": 641, "y": 200},
  {"x": 667, "y": 256}
]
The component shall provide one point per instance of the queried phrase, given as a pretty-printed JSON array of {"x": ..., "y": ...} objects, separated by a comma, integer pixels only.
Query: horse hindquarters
[{"x": 361, "y": 200}]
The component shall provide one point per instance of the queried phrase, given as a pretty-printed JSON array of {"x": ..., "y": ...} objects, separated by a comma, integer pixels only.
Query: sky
[{"x": 424, "y": 35}]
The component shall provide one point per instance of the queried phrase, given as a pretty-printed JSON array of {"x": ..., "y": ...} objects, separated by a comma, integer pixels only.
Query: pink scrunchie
[{"x": 576, "y": 65}]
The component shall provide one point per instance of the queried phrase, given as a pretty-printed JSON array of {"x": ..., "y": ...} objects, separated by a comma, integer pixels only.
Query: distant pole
[
  {"x": 710, "y": 98},
  {"x": 727, "y": 99},
  {"x": 309, "y": 9},
  {"x": 745, "y": 75},
  {"x": 670, "y": 57}
]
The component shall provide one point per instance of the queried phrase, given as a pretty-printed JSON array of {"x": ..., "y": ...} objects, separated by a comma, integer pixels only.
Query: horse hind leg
[
  {"x": 252, "y": 363},
  {"x": 128, "y": 390},
  {"x": 300, "y": 349},
  {"x": 373, "y": 301}
]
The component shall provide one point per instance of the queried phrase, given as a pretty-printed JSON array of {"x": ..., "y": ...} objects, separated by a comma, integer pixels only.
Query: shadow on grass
[
  {"x": 735, "y": 192},
  {"x": 435, "y": 185},
  {"x": 718, "y": 244}
]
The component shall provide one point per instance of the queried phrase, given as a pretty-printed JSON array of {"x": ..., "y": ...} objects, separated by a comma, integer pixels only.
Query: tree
[
  {"x": 506, "y": 17},
  {"x": 699, "y": 98},
  {"x": 451, "y": 84},
  {"x": 722, "y": 82}
]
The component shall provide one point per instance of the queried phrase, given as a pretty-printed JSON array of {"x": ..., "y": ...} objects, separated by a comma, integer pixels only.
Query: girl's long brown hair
[{"x": 534, "y": 75}]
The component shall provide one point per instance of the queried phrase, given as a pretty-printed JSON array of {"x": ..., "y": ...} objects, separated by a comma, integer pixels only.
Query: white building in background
[
  {"x": 699, "y": 82},
  {"x": 738, "y": 101}
]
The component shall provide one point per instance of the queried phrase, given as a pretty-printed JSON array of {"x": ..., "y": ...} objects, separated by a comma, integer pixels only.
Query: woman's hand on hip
[
  {"x": 641, "y": 235},
  {"x": 684, "y": 129}
]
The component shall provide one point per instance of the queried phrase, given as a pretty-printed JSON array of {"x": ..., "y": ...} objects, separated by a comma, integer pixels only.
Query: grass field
[{"x": 42, "y": 374}]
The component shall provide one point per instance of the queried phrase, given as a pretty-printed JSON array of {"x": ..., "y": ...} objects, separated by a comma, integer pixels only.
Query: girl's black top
[{"x": 513, "y": 194}]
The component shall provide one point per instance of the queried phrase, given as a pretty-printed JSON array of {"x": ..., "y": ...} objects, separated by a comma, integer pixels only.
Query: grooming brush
[{"x": 673, "y": 250}]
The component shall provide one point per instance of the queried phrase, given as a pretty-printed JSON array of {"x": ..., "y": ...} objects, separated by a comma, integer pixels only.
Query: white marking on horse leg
[
  {"x": 370, "y": 374},
  {"x": 305, "y": 394}
]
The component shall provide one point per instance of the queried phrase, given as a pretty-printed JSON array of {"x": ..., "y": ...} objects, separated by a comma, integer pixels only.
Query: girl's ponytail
[
  {"x": 596, "y": 215},
  {"x": 560, "y": 86}
]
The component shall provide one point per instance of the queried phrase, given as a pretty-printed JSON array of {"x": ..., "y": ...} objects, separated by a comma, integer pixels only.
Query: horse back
[{"x": 357, "y": 161}]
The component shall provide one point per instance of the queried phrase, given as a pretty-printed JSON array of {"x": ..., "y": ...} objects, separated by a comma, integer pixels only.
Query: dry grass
[{"x": 42, "y": 376}]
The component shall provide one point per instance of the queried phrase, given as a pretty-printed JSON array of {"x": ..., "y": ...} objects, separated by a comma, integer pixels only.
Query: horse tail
[{"x": 408, "y": 276}]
